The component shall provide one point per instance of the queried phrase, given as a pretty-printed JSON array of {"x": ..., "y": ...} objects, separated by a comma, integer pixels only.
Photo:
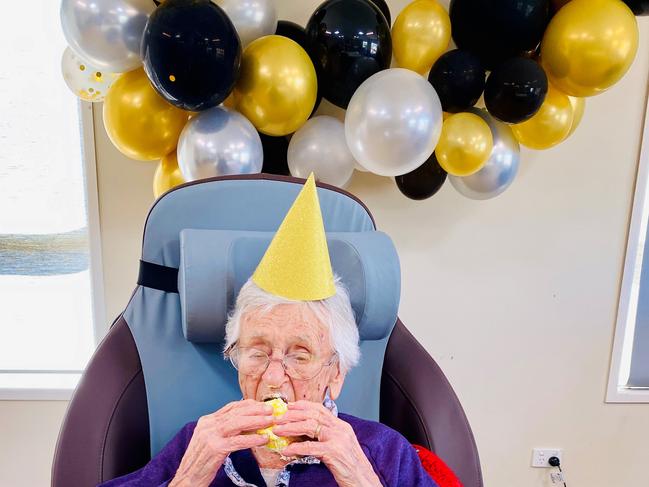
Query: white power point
[{"x": 540, "y": 456}]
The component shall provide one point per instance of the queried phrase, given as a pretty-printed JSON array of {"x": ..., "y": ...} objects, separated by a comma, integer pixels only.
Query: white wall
[{"x": 515, "y": 297}]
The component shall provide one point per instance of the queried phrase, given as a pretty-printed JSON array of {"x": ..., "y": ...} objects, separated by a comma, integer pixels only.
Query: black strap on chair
[{"x": 158, "y": 276}]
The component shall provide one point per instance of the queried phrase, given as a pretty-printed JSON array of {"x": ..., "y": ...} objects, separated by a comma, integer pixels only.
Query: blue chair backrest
[{"x": 215, "y": 232}]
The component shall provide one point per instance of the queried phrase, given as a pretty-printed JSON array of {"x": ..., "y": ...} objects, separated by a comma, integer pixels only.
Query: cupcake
[{"x": 276, "y": 443}]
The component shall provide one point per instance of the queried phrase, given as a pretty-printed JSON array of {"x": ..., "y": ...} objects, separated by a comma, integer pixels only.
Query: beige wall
[
  {"x": 515, "y": 297},
  {"x": 28, "y": 431}
]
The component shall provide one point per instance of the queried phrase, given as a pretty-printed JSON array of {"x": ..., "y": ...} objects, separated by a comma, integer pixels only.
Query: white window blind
[{"x": 46, "y": 291}]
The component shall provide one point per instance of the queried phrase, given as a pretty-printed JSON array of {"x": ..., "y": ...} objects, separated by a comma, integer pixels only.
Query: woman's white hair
[{"x": 335, "y": 312}]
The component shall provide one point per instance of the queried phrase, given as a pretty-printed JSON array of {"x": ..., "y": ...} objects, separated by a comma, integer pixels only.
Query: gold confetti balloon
[{"x": 85, "y": 80}]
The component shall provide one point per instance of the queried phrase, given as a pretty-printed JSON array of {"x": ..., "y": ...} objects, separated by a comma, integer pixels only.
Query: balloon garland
[{"x": 219, "y": 87}]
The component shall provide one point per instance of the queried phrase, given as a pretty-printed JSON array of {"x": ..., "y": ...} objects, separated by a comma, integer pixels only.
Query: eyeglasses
[{"x": 297, "y": 365}]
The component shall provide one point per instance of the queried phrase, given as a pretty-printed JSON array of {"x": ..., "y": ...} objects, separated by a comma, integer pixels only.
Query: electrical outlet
[
  {"x": 540, "y": 456},
  {"x": 557, "y": 477}
]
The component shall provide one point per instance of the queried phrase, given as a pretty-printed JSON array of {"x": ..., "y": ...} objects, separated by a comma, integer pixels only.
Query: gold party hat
[{"x": 296, "y": 264}]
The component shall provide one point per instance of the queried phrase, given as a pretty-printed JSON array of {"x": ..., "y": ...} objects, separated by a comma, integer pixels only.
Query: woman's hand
[
  {"x": 336, "y": 445},
  {"x": 219, "y": 434}
]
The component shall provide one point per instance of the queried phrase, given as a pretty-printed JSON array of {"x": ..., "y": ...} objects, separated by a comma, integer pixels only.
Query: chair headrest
[{"x": 215, "y": 264}]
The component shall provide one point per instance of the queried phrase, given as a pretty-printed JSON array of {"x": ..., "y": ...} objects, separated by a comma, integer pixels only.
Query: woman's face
[{"x": 288, "y": 328}]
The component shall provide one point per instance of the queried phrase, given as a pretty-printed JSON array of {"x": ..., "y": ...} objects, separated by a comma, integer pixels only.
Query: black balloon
[
  {"x": 424, "y": 181},
  {"x": 191, "y": 53},
  {"x": 293, "y": 31},
  {"x": 298, "y": 34},
  {"x": 275, "y": 151},
  {"x": 385, "y": 10},
  {"x": 515, "y": 90},
  {"x": 459, "y": 79},
  {"x": 496, "y": 30},
  {"x": 639, "y": 7},
  {"x": 349, "y": 41}
]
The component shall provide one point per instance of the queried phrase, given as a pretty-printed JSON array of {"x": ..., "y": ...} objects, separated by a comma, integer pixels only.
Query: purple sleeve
[
  {"x": 396, "y": 462},
  {"x": 162, "y": 468}
]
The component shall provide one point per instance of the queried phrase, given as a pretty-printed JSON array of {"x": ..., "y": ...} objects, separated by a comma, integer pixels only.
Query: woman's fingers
[
  {"x": 301, "y": 404},
  {"x": 235, "y": 424},
  {"x": 303, "y": 448},
  {"x": 242, "y": 442},
  {"x": 308, "y": 427},
  {"x": 232, "y": 405},
  {"x": 291, "y": 416},
  {"x": 252, "y": 408},
  {"x": 322, "y": 417},
  {"x": 248, "y": 407}
]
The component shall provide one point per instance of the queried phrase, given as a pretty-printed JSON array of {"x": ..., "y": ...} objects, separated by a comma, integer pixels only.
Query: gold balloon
[
  {"x": 589, "y": 45},
  {"x": 141, "y": 123},
  {"x": 420, "y": 35},
  {"x": 229, "y": 102},
  {"x": 167, "y": 175},
  {"x": 277, "y": 85},
  {"x": 465, "y": 144},
  {"x": 578, "y": 109},
  {"x": 550, "y": 125}
]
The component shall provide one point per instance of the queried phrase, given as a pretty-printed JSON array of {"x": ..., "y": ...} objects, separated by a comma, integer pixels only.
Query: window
[
  {"x": 629, "y": 374},
  {"x": 49, "y": 247}
]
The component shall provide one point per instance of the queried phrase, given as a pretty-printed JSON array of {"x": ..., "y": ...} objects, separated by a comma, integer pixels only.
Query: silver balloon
[
  {"x": 218, "y": 142},
  {"x": 501, "y": 168},
  {"x": 251, "y": 18},
  {"x": 106, "y": 33},
  {"x": 320, "y": 146},
  {"x": 393, "y": 122}
]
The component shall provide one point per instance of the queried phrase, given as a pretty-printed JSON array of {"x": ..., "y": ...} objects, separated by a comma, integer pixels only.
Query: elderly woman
[
  {"x": 299, "y": 351},
  {"x": 292, "y": 337}
]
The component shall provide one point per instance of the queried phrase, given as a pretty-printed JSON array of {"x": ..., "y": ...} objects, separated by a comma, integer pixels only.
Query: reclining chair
[{"x": 160, "y": 365}]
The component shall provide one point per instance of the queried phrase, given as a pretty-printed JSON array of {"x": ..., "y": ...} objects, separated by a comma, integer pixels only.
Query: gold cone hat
[{"x": 296, "y": 264}]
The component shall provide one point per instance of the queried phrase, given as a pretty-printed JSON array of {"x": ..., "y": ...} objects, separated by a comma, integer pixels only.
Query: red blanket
[{"x": 436, "y": 468}]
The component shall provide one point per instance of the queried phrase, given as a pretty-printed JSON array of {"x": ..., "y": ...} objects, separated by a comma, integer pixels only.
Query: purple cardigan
[{"x": 394, "y": 460}]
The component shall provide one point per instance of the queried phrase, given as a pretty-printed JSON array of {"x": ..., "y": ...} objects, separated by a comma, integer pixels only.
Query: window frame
[
  {"x": 617, "y": 391},
  {"x": 100, "y": 327}
]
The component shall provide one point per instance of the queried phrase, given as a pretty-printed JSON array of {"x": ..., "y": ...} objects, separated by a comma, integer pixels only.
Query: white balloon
[
  {"x": 88, "y": 82},
  {"x": 106, "y": 33},
  {"x": 319, "y": 146},
  {"x": 393, "y": 122},
  {"x": 219, "y": 142},
  {"x": 251, "y": 18}
]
